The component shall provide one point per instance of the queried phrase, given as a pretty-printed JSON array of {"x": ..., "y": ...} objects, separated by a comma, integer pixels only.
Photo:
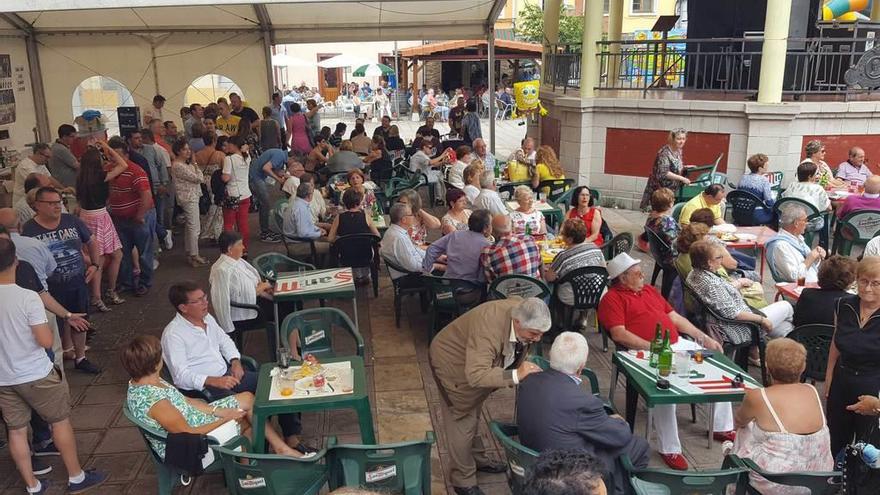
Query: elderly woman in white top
[
  {"x": 526, "y": 218},
  {"x": 233, "y": 279}
]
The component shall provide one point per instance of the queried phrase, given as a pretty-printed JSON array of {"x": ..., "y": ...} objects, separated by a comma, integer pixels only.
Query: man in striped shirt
[{"x": 130, "y": 202}]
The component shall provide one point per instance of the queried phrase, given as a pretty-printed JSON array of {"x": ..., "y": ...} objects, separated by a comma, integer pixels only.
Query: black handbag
[{"x": 204, "y": 200}]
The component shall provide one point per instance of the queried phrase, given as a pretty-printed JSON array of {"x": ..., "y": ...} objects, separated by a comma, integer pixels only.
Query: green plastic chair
[
  {"x": 409, "y": 284},
  {"x": 705, "y": 175},
  {"x": 519, "y": 457},
  {"x": 270, "y": 474},
  {"x": 556, "y": 187},
  {"x": 518, "y": 285},
  {"x": 856, "y": 229},
  {"x": 403, "y": 467},
  {"x": 445, "y": 301},
  {"x": 812, "y": 213},
  {"x": 277, "y": 214},
  {"x": 676, "y": 211},
  {"x": 621, "y": 243},
  {"x": 587, "y": 374},
  {"x": 269, "y": 265},
  {"x": 315, "y": 327},
  {"x": 658, "y": 481},
  {"x": 167, "y": 477},
  {"x": 818, "y": 482}
]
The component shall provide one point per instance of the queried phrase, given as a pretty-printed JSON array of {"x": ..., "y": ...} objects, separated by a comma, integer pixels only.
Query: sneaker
[
  {"x": 93, "y": 478},
  {"x": 724, "y": 436},
  {"x": 675, "y": 461},
  {"x": 155, "y": 264},
  {"x": 39, "y": 467},
  {"x": 168, "y": 242},
  {"x": 48, "y": 449},
  {"x": 86, "y": 366},
  {"x": 44, "y": 487}
]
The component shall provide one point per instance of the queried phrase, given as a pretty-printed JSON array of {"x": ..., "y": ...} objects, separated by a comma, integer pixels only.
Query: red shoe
[
  {"x": 675, "y": 461},
  {"x": 724, "y": 436}
]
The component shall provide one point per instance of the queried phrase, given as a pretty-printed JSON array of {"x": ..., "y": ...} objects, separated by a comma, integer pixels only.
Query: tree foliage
[{"x": 530, "y": 25}]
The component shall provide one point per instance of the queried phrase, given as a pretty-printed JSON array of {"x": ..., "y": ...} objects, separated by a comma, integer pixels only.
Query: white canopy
[{"x": 343, "y": 60}]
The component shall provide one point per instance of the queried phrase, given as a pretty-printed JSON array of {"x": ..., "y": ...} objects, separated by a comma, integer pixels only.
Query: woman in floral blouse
[{"x": 668, "y": 167}]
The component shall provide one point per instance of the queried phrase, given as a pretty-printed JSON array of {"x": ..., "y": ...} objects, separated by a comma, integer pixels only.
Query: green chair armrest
[{"x": 249, "y": 363}]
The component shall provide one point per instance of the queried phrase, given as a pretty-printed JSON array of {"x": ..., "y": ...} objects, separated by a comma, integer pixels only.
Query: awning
[{"x": 472, "y": 50}]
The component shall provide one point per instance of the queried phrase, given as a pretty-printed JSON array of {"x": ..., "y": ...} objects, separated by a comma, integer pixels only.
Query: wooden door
[{"x": 329, "y": 80}]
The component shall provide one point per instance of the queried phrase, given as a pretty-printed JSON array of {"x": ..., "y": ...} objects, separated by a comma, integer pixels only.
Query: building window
[
  {"x": 103, "y": 94},
  {"x": 643, "y": 7},
  {"x": 208, "y": 88}
]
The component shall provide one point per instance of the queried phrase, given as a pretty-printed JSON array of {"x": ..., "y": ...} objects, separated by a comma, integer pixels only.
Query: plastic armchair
[
  {"x": 816, "y": 338},
  {"x": 168, "y": 478},
  {"x": 621, "y": 243},
  {"x": 269, "y": 474},
  {"x": 856, "y": 229},
  {"x": 705, "y": 175},
  {"x": 269, "y": 265},
  {"x": 654, "y": 481},
  {"x": 403, "y": 467},
  {"x": 743, "y": 205},
  {"x": 315, "y": 328},
  {"x": 587, "y": 284},
  {"x": 359, "y": 251},
  {"x": 676, "y": 211},
  {"x": 518, "y": 285},
  {"x": 555, "y": 187},
  {"x": 247, "y": 362},
  {"x": 502, "y": 109},
  {"x": 519, "y": 457},
  {"x": 659, "y": 250},
  {"x": 446, "y": 298},
  {"x": 410, "y": 283},
  {"x": 587, "y": 374},
  {"x": 818, "y": 482}
]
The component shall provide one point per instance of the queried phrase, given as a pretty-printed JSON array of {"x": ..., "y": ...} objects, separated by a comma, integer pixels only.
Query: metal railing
[{"x": 728, "y": 65}]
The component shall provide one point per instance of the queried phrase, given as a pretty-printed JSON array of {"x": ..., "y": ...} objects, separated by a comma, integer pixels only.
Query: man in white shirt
[
  {"x": 481, "y": 151},
  {"x": 788, "y": 257},
  {"x": 156, "y": 111},
  {"x": 397, "y": 246},
  {"x": 455, "y": 176},
  {"x": 488, "y": 198},
  {"x": 201, "y": 356},
  {"x": 33, "y": 164}
]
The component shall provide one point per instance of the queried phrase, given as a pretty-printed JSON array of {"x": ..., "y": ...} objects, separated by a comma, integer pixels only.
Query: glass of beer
[{"x": 801, "y": 281}]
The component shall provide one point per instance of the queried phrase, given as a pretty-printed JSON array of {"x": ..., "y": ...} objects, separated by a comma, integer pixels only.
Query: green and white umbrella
[{"x": 373, "y": 70}]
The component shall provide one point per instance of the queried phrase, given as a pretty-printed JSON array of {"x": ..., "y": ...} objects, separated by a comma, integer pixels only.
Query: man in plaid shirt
[{"x": 510, "y": 254}]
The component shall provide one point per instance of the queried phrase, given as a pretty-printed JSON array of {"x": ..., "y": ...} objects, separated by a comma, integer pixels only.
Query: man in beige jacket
[{"x": 481, "y": 351}]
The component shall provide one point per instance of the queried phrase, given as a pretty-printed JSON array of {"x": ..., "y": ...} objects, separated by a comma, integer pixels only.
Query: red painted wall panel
[
  {"x": 632, "y": 151},
  {"x": 837, "y": 148}
]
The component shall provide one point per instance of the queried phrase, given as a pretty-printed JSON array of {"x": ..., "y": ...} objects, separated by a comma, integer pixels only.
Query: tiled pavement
[{"x": 403, "y": 395}]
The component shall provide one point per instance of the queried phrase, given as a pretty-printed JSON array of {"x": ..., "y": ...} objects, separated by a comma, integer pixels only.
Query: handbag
[
  {"x": 204, "y": 200},
  {"x": 230, "y": 202}
]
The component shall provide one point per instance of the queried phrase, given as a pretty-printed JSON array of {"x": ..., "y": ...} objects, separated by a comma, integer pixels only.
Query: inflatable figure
[
  {"x": 526, "y": 95},
  {"x": 843, "y": 10}
]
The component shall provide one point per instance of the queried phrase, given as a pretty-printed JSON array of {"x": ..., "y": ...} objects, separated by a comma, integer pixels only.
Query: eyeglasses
[
  {"x": 873, "y": 284},
  {"x": 202, "y": 299},
  {"x": 54, "y": 203}
]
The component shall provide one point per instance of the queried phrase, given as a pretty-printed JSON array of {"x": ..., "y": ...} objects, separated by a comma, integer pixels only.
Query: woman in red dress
[{"x": 582, "y": 207}]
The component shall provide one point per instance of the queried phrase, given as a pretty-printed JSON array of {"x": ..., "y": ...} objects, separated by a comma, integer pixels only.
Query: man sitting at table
[
  {"x": 298, "y": 220},
  {"x": 398, "y": 247},
  {"x": 462, "y": 249},
  {"x": 510, "y": 254},
  {"x": 788, "y": 256},
  {"x": 489, "y": 198},
  {"x": 868, "y": 200},
  {"x": 200, "y": 356},
  {"x": 854, "y": 169},
  {"x": 555, "y": 411},
  {"x": 710, "y": 198},
  {"x": 630, "y": 311}
]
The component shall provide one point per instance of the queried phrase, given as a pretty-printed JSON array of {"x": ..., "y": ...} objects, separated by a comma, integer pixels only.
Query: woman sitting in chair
[
  {"x": 526, "y": 218},
  {"x": 422, "y": 220},
  {"x": 757, "y": 183},
  {"x": 547, "y": 168},
  {"x": 725, "y": 300},
  {"x": 582, "y": 206},
  {"x": 457, "y": 216},
  {"x": 354, "y": 220},
  {"x": 357, "y": 181},
  {"x": 782, "y": 427},
  {"x": 157, "y": 404},
  {"x": 578, "y": 253},
  {"x": 836, "y": 275}
]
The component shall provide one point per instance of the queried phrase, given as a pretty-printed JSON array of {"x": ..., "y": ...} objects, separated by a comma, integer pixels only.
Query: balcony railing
[{"x": 729, "y": 65}]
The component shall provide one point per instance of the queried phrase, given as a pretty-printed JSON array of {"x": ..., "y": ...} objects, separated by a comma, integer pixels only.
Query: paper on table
[{"x": 341, "y": 385}]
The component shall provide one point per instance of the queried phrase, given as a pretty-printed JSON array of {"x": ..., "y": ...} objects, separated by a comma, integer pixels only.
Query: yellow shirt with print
[
  {"x": 228, "y": 126},
  {"x": 696, "y": 203}
]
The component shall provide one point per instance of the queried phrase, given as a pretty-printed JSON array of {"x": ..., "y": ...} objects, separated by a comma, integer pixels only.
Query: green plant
[{"x": 530, "y": 25}]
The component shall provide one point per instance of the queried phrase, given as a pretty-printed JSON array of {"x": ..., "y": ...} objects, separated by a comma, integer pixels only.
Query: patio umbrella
[
  {"x": 285, "y": 60},
  {"x": 373, "y": 70},
  {"x": 343, "y": 61}
]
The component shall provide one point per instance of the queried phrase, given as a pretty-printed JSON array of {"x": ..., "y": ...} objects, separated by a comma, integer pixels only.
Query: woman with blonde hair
[
  {"x": 668, "y": 168},
  {"x": 547, "y": 168},
  {"x": 471, "y": 177},
  {"x": 526, "y": 218}
]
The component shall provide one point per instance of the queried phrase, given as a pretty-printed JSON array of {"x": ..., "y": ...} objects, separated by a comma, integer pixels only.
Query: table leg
[
  {"x": 632, "y": 400},
  {"x": 258, "y": 443},
  {"x": 710, "y": 423},
  {"x": 277, "y": 328},
  {"x": 354, "y": 305},
  {"x": 365, "y": 421},
  {"x": 763, "y": 254},
  {"x": 650, "y": 424}
]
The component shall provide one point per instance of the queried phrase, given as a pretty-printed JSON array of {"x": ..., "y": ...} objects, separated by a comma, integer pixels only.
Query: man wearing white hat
[{"x": 630, "y": 311}]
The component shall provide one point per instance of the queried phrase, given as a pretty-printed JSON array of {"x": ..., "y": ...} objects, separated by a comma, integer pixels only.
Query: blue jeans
[
  {"x": 260, "y": 191},
  {"x": 158, "y": 224},
  {"x": 136, "y": 235}
]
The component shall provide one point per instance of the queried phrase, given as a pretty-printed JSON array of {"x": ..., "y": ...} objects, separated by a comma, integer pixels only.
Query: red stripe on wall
[
  {"x": 837, "y": 148},
  {"x": 632, "y": 151}
]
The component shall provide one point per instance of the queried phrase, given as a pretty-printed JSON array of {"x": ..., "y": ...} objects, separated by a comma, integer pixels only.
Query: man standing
[
  {"x": 481, "y": 351},
  {"x": 553, "y": 411},
  {"x": 240, "y": 110},
  {"x": 470, "y": 124},
  {"x": 710, "y": 198},
  {"x": 279, "y": 115},
  {"x": 156, "y": 111},
  {"x": 33, "y": 164},
  {"x": 382, "y": 130},
  {"x": 65, "y": 235},
  {"x": 270, "y": 165},
  {"x": 196, "y": 114},
  {"x": 163, "y": 188},
  {"x": 428, "y": 130},
  {"x": 131, "y": 204},
  {"x": 29, "y": 383},
  {"x": 511, "y": 254},
  {"x": 63, "y": 165},
  {"x": 227, "y": 122},
  {"x": 456, "y": 113},
  {"x": 169, "y": 134}
]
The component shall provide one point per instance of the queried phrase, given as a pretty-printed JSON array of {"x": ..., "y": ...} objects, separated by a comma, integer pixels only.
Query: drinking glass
[{"x": 682, "y": 365}]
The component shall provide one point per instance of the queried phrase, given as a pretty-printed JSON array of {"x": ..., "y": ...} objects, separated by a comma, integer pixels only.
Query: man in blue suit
[{"x": 555, "y": 411}]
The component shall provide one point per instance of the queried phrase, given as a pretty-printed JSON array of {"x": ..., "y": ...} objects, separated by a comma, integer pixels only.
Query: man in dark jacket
[{"x": 555, "y": 412}]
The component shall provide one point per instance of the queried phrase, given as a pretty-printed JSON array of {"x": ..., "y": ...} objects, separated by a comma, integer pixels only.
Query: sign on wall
[{"x": 7, "y": 93}]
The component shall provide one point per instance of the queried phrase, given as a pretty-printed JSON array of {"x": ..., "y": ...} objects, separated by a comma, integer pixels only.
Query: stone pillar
[
  {"x": 551, "y": 35},
  {"x": 773, "y": 54},
  {"x": 615, "y": 33},
  {"x": 589, "y": 50},
  {"x": 875, "y": 11}
]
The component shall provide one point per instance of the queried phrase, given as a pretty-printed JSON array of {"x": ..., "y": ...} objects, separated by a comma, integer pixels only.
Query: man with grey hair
[
  {"x": 481, "y": 151},
  {"x": 510, "y": 254},
  {"x": 555, "y": 411},
  {"x": 854, "y": 168},
  {"x": 397, "y": 245},
  {"x": 788, "y": 256},
  {"x": 488, "y": 197},
  {"x": 298, "y": 221},
  {"x": 35, "y": 163},
  {"x": 483, "y": 350}
]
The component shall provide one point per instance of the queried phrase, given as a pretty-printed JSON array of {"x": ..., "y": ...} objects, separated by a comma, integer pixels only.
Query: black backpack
[{"x": 218, "y": 187}]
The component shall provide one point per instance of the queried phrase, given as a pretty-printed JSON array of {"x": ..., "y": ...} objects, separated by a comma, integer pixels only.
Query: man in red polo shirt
[{"x": 630, "y": 311}]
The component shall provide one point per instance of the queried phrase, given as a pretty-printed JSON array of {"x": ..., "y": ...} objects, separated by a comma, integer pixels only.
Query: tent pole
[
  {"x": 270, "y": 73},
  {"x": 36, "y": 76},
  {"x": 491, "y": 40},
  {"x": 396, "y": 83}
]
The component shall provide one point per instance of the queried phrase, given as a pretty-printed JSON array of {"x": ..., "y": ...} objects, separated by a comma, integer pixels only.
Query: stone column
[
  {"x": 615, "y": 33},
  {"x": 589, "y": 60},
  {"x": 551, "y": 35},
  {"x": 875, "y": 11},
  {"x": 776, "y": 28}
]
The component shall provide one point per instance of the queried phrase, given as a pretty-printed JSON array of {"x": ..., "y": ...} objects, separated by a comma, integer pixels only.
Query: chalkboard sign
[{"x": 129, "y": 119}]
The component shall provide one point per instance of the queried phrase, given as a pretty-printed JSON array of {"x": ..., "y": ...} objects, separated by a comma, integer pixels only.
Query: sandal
[
  {"x": 113, "y": 297},
  {"x": 100, "y": 306}
]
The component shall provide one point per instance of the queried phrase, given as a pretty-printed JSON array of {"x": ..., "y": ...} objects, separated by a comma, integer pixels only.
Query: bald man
[
  {"x": 510, "y": 254},
  {"x": 868, "y": 200},
  {"x": 854, "y": 168}
]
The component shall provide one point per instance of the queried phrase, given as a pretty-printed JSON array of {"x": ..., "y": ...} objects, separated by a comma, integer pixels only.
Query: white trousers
[
  {"x": 191, "y": 237},
  {"x": 780, "y": 314},
  {"x": 666, "y": 425}
]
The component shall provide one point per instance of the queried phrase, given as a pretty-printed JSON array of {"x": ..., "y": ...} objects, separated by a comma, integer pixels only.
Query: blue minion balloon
[{"x": 526, "y": 94}]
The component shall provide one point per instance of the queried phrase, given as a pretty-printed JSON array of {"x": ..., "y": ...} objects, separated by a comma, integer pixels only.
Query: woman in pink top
[{"x": 299, "y": 134}]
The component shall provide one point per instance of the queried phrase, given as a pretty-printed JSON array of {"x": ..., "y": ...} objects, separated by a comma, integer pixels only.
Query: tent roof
[
  {"x": 471, "y": 50},
  {"x": 287, "y": 21}
]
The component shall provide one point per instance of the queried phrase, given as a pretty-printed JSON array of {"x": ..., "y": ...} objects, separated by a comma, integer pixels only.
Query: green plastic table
[
  {"x": 334, "y": 283},
  {"x": 642, "y": 384},
  {"x": 357, "y": 400}
]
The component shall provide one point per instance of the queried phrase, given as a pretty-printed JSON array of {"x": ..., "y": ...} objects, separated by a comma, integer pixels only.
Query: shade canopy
[
  {"x": 285, "y": 60},
  {"x": 343, "y": 60},
  {"x": 373, "y": 70}
]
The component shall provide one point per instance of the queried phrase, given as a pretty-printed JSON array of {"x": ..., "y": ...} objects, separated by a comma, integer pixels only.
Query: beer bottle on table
[
  {"x": 655, "y": 348},
  {"x": 664, "y": 364}
]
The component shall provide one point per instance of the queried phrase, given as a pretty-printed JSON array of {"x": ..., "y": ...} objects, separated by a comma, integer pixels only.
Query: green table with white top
[
  {"x": 308, "y": 285},
  {"x": 712, "y": 387}
]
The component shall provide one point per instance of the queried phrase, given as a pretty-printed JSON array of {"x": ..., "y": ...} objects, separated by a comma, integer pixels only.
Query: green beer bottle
[
  {"x": 664, "y": 364},
  {"x": 656, "y": 346}
]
